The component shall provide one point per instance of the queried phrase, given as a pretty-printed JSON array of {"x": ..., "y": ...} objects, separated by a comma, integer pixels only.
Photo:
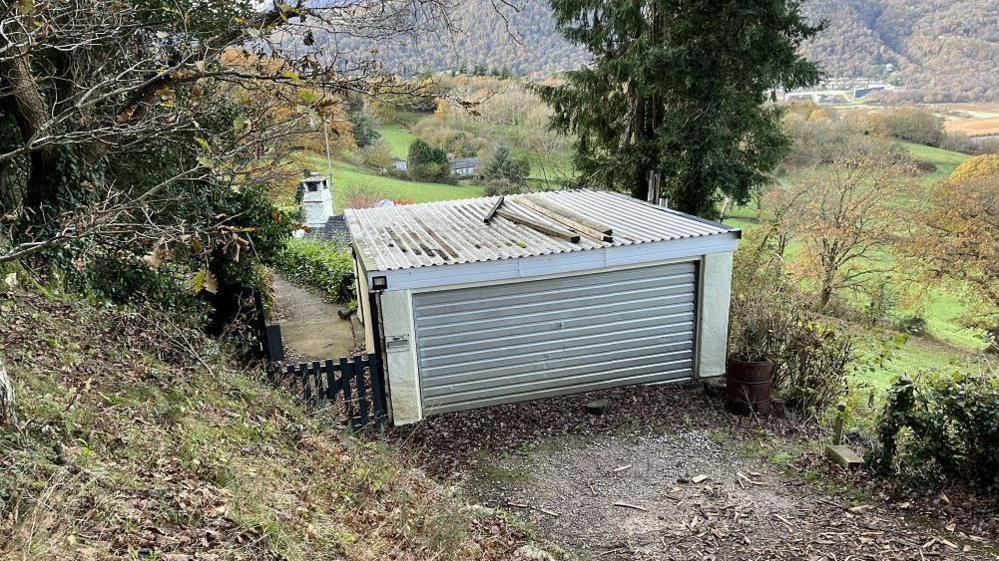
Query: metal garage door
[{"x": 527, "y": 340}]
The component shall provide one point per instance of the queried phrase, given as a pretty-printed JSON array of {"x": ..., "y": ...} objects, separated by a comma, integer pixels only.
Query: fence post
[
  {"x": 362, "y": 390},
  {"x": 346, "y": 375},
  {"x": 377, "y": 388},
  {"x": 317, "y": 382},
  {"x": 304, "y": 377}
]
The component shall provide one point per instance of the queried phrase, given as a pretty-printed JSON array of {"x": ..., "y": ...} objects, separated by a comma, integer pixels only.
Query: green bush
[
  {"x": 498, "y": 187},
  {"x": 326, "y": 266},
  {"x": 941, "y": 428},
  {"x": 426, "y": 163},
  {"x": 912, "y": 324}
]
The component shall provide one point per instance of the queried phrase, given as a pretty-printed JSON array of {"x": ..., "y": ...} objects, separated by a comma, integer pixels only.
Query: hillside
[
  {"x": 140, "y": 439},
  {"x": 944, "y": 50}
]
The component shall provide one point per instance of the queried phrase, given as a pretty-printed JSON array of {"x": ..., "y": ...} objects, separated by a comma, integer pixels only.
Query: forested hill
[{"x": 940, "y": 50}]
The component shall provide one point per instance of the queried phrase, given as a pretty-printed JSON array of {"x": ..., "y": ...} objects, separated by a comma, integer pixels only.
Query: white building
[
  {"x": 557, "y": 293},
  {"x": 317, "y": 200}
]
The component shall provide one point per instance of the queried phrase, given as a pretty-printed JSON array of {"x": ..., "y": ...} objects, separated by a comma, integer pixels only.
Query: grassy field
[
  {"x": 945, "y": 160},
  {"x": 948, "y": 340},
  {"x": 398, "y": 138},
  {"x": 350, "y": 181}
]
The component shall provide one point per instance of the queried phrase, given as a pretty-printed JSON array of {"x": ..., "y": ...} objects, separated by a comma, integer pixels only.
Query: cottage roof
[{"x": 462, "y": 163}]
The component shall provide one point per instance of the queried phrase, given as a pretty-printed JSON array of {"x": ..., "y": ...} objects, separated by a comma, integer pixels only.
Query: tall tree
[
  {"x": 846, "y": 215},
  {"x": 680, "y": 89},
  {"x": 959, "y": 241}
]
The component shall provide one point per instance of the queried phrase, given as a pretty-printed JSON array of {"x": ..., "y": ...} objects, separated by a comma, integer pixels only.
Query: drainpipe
[{"x": 379, "y": 285}]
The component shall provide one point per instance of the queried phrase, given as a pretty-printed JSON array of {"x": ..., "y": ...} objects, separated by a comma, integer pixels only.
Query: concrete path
[{"x": 310, "y": 327}]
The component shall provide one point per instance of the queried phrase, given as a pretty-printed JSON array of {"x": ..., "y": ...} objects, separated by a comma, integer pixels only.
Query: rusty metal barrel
[{"x": 747, "y": 386}]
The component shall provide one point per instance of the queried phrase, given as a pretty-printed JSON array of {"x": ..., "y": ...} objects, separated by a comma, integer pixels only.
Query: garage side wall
[
  {"x": 715, "y": 297},
  {"x": 364, "y": 306},
  {"x": 400, "y": 357}
]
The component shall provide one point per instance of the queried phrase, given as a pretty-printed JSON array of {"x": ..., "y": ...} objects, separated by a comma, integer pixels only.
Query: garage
[
  {"x": 512, "y": 342},
  {"x": 488, "y": 301}
]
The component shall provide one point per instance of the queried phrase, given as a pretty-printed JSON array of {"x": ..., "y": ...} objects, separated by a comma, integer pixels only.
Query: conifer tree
[{"x": 680, "y": 89}]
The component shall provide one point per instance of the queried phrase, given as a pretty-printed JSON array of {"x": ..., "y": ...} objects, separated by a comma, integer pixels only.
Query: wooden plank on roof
[
  {"x": 543, "y": 228},
  {"x": 567, "y": 214},
  {"x": 492, "y": 212},
  {"x": 562, "y": 217}
]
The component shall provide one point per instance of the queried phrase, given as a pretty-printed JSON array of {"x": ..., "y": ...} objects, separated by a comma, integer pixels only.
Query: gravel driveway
[{"x": 660, "y": 478}]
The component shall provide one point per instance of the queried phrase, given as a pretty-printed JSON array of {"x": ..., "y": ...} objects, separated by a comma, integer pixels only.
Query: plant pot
[{"x": 747, "y": 386}]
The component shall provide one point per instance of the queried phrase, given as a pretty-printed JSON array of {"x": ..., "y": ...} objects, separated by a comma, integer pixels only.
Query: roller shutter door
[{"x": 528, "y": 340}]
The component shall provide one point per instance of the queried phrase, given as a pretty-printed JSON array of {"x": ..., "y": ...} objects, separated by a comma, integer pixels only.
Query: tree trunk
[
  {"x": 8, "y": 416},
  {"x": 825, "y": 296},
  {"x": 30, "y": 114}
]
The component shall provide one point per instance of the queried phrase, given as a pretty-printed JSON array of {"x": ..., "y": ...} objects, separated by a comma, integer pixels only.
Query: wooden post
[
  {"x": 492, "y": 212},
  {"x": 838, "y": 424},
  {"x": 376, "y": 361},
  {"x": 837, "y": 452},
  {"x": 8, "y": 415}
]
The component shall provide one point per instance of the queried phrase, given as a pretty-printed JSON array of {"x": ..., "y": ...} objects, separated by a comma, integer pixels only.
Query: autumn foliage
[{"x": 960, "y": 239}]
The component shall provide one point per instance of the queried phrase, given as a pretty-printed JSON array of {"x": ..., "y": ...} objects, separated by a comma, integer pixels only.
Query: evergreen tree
[
  {"x": 503, "y": 166},
  {"x": 426, "y": 163},
  {"x": 365, "y": 129},
  {"x": 680, "y": 89}
]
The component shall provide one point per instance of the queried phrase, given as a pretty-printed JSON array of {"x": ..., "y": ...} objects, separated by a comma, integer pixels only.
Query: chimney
[{"x": 317, "y": 200}]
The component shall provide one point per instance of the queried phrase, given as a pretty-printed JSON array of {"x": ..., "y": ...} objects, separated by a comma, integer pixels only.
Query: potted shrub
[{"x": 749, "y": 370}]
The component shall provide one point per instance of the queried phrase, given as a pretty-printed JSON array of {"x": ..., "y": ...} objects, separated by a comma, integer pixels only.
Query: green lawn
[
  {"x": 398, "y": 138},
  {"x": 349, "y": 181},
  {"x": 945, "y": 160},
  {"x": 914, "y": 357}
]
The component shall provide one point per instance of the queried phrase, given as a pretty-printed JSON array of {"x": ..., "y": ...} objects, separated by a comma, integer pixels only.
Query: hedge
[
  {"x": 322, "y": 265},
  {"x": 942, "y": 428}
]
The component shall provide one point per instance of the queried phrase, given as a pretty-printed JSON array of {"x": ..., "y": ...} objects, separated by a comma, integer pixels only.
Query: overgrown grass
[{"x": 142, "y": 440}]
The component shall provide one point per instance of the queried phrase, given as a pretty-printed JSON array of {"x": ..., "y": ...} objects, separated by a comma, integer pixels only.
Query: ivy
[{"x": 944, "y": 428}]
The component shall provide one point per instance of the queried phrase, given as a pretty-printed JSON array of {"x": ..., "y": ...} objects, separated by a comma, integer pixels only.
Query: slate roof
[{"x": 334, "y": 230}]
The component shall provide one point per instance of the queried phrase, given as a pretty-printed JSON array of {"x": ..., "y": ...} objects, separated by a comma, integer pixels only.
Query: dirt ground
[
  {"x": 664, "y": 476},
  {"x": 310, "y": 327}
]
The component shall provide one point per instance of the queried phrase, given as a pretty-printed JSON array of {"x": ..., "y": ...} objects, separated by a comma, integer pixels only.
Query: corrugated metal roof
[{"x": 451, "y": 232}]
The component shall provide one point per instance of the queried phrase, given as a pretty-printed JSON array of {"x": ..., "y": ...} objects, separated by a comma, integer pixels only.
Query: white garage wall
[
  {"x": 715, "y": 298},
  {"x": 400, "y": 357}
]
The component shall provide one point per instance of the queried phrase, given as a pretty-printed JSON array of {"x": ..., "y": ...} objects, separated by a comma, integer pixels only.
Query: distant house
[
  {"x": 465, "y": 167},
  {"x": 400, "y": 165}
]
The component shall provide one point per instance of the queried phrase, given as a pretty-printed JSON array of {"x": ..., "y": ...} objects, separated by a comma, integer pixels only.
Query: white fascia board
[{"x": 541, "y": 265}]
